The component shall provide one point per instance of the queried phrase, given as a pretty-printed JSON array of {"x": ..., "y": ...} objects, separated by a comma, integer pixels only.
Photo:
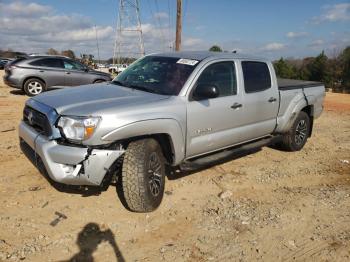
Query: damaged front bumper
[{"x": 66, "y": 164}]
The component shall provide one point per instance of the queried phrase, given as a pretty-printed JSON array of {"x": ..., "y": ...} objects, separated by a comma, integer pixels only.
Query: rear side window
[
  {"x": 256, "y": 76},
  {"x": 48, "y": 62},
  {"x": 17, "y": 60}
]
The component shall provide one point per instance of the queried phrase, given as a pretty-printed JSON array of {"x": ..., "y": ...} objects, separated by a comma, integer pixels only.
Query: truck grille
[{"x": 37, "y": 120}]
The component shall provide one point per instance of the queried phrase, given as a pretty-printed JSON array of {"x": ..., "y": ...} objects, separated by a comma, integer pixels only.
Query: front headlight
[{"x": 78, "y": 128}]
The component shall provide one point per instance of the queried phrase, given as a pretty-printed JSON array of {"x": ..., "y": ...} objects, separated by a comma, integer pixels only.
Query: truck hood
[{"x": 91, "y": 99}]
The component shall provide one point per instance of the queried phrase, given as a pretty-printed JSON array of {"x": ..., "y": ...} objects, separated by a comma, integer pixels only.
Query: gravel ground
[{"x": 269, "y": 206}]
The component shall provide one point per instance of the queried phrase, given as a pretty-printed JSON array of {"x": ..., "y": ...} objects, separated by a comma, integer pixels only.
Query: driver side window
[
  {"x": 72, "y": 65},
  {"x": 68, "y": 65},
  {"x": 222, "y": 75}
]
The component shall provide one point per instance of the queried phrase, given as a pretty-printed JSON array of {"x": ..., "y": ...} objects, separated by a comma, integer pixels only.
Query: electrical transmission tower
[{"x": 129, "y": 38}]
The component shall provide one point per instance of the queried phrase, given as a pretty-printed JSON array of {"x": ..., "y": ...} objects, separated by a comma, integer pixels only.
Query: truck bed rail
[{"x": 288, "y": 84}]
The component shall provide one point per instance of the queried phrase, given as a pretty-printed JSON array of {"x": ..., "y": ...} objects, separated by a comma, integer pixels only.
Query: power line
[
  {"x": 170, "y": 26},
  {"x": 185, "y": 11},
  {"x": 158, "y": 23},
  {"x": 160, "y": 26}
]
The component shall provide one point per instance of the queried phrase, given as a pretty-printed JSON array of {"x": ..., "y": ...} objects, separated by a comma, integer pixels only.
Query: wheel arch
[
  {"x": 167, "y": 132},
  {"x": 32, "y": 77},
  {"x": 164, "y": 141}
]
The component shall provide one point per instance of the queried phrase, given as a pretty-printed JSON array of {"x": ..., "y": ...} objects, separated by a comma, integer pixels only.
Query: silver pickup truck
[{"x": 165, "y": 110}]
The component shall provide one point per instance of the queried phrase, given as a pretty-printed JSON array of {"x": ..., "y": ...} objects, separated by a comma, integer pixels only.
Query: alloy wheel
[
  {"x": 154, "y": 174},
  {"x": 35, "y": 88},
  {"x": 300, "y": 132}
]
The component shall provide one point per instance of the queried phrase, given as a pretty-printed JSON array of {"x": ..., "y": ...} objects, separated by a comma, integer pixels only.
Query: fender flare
[
  {"x": 285, "y": 121},
  {"x": 149, "y": 127}
]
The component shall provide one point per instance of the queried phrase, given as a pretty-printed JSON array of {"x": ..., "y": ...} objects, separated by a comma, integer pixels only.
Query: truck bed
[{"x": 288, "y": 84}]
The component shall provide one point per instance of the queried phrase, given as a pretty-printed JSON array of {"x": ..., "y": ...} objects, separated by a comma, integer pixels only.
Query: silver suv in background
[{"x": 35, "y": 75}]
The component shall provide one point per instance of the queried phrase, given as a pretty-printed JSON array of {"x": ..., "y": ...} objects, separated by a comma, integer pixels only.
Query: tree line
[{"x": 334, "y": 72}]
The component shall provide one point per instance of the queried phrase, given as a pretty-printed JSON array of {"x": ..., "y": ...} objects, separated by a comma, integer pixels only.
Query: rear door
[
  {"x": 50, "y": 69},
  {"x": 76, "y": 73},
  {"x": 260, "y": 99}
]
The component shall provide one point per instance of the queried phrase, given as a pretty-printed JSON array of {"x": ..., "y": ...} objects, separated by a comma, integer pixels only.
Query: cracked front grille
[{"x": 37, "y": 120}]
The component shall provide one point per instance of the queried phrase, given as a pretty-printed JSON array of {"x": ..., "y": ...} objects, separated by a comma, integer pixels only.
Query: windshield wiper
[
  {"x": 117, "y": 82},
  {"x": 142, "y": 88}
]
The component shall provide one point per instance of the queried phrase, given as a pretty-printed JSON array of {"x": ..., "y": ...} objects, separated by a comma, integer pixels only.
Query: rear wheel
[
  {"x": 143, "y": 175},
  {"x": 297, "y": 136},
  {"x": 34, "y": 86}
]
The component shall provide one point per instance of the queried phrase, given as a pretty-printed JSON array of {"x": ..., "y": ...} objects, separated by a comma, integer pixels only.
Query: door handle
[
  {"x": 41, "y": 71},
  {"x": 236, "y": 105},
  {"x": 67, "y": 73},
  {"x": 272, "y": 99}
]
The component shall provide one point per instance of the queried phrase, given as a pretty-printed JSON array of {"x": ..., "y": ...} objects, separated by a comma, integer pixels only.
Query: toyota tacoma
[{"x": 166, "y": 110}]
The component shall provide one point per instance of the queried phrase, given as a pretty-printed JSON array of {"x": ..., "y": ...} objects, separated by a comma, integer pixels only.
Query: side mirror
[
  {"x": 205, "y": 91},
  {"x": 86, "y": 69}
]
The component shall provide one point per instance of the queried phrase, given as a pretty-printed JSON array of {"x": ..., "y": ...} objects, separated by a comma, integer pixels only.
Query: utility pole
[
  {"x": 129, "y": 39},
  {"x": 178, "y": 25}
]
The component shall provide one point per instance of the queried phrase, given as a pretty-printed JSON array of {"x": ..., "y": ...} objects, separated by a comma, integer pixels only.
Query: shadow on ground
[
  {"x": 88, "y": 240},
  {"x": 17, "y": 92}
]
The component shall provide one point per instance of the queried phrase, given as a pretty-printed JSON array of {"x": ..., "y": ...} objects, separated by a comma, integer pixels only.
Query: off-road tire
[
  {"x": 297, "y": 136},
  {"x": 139, "y": 172},
  {"x": 34, "y": 86}
]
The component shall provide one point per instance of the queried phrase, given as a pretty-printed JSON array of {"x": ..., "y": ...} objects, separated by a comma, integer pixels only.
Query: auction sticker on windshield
[{"x": 187, "y": 62}]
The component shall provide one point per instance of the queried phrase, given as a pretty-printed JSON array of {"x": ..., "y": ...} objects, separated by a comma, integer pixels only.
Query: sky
[{"x": 268, "y": 28}]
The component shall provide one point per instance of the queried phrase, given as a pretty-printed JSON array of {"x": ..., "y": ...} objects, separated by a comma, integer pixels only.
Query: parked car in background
[
  {"x": 3, "y": 62},
  {"x": 37, "y": 74},
  {"x": 116, "y": 69},
  {"x": 101, "y": 65}
]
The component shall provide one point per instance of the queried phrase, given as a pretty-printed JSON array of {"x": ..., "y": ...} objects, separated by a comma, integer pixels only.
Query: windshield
[{"x": 155, "y": 74}]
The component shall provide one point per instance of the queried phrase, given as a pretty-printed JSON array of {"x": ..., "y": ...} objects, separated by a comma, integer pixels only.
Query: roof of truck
[{"x": 201, "y": 55}]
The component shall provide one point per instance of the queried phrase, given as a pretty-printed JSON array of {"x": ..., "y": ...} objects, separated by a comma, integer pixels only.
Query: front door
[
  {"x": 211, "y": 122},
  {"x": 76, "y": 74}
]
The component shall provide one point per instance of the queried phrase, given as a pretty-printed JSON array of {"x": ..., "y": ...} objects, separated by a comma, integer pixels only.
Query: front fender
[{"x": 151, "y": 127}]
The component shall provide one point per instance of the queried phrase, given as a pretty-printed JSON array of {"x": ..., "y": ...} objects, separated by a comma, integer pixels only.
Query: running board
[{"x": 228, "y": 154}]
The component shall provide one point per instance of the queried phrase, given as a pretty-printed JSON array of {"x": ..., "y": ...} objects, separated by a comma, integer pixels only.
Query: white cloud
[
  {"x": 273, "y": 47},
  {"x": 296, "y": 34},
  {"x": 87, "y": 34},
  {"x": 32, "y": 27},
  {"x": 189, "y": 42},
  {"x": 15, "y": 9},
  {"x": 161, "y": 15},
  {"x": 317, "y": 43},
  {"x": 334, "y": 13}
]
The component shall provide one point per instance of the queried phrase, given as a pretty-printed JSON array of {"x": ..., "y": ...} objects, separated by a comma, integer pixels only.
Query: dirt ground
[{"x": 277, "y": 206}]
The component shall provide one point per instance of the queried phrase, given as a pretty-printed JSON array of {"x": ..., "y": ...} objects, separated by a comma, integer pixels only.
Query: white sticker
[{"x": 185, "y": 61}]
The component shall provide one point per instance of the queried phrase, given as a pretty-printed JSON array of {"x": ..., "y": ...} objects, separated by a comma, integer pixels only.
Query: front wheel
[
  {"x": 143, "y": 175},
  {"x": 297, "y": 136}
]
